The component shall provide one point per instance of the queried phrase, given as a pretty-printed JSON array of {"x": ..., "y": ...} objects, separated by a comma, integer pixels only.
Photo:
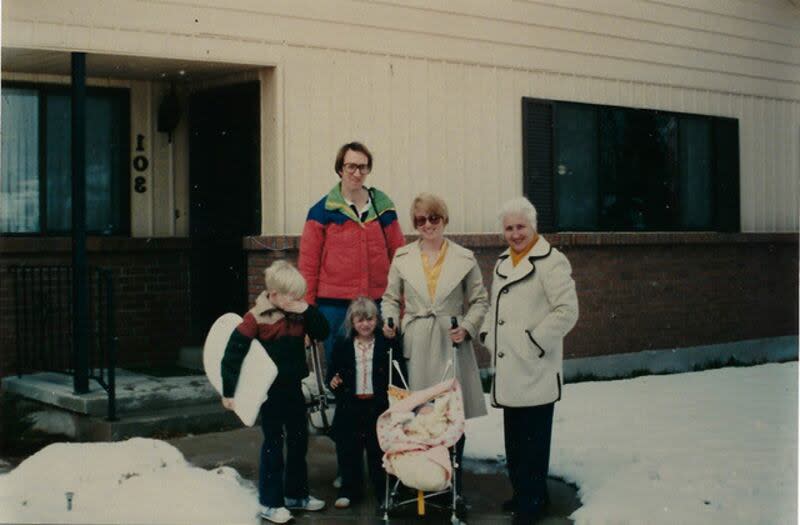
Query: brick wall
[
  {"x": 646, "y": 291},
  {"x": 636, "y": 291},
  {"x": 151, "y": 293}
]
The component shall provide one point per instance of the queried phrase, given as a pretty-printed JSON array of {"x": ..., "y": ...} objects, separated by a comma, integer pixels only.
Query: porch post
[{"x": 80, "y": 269}]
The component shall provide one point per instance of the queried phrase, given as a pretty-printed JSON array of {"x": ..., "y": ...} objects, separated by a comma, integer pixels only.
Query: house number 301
[{"x": 140, "y": 164}]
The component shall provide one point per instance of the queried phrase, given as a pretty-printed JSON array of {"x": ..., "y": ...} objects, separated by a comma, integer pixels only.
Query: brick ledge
[
  {"x": 493, "y": 240},
  {"x": 11, "y": 245}
]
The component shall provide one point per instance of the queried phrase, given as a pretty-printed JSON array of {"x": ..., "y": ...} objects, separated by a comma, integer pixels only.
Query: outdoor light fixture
[{"x": 169, "y": 113}]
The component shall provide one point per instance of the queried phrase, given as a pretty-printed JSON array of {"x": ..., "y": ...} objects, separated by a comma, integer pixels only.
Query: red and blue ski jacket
[{"x": 342, "y": 257}]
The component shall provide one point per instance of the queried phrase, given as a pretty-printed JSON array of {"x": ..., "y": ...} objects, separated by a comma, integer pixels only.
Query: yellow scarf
[
  {"x": 433, "y": 270},
  {"x": 516, "y": 257}
]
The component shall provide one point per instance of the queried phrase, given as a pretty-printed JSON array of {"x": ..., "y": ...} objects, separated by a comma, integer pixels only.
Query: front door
[{"x": 224, "y": 176}]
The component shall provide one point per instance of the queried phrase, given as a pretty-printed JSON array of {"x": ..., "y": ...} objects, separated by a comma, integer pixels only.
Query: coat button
[
  {"x": 500, "y": 355},
  {"x": 501, "y": 322}
]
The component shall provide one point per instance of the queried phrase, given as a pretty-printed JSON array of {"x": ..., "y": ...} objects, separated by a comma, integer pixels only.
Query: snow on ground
[
  {"x": 136, "y": 481},
  {"x": 710, "y": 447},
  {"x": 700, "y": 448}
]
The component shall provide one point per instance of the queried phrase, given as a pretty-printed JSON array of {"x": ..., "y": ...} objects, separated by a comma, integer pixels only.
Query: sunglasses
[{"x": 420, "y": 220}]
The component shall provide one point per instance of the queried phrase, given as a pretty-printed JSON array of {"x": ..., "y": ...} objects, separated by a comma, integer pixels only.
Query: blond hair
[
  {"x": 282, "y": 277},
  {"x": 361, "y": 307},
  {"x": 430, "y": 203}
]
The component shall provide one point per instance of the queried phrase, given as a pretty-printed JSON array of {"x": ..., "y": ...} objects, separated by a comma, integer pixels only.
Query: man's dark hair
[{"x": 351, "y": 146}]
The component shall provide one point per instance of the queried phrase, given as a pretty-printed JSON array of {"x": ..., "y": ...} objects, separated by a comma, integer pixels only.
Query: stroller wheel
[{"x": 384, "y": 514}]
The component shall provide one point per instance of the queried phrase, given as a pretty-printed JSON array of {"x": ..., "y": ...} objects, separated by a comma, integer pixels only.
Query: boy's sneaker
[
  {"x": 342, "y": 503},
  {"x": 276, "y": 514},
  {"x": 309, "y": 503}
]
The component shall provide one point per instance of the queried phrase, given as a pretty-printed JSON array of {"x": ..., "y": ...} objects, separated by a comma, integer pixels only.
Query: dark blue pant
[
  {"x": 283, "y": 414},
  {"x": 354, "y": 429},
  {"x": 334, "y": 311},
  {"x": 527, "y": 436}
]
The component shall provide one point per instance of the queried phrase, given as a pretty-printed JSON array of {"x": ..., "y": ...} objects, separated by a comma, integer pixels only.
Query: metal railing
[
  {"x": 103, "y": 353},
  {"x": 43, "y": 324}
]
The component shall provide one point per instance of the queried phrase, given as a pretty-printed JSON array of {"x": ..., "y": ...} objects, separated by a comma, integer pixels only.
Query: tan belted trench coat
[{"x": 426, "y": 324}]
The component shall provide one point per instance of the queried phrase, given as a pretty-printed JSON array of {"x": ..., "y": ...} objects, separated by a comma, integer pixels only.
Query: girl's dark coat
[{"x": 343, "y": 362}]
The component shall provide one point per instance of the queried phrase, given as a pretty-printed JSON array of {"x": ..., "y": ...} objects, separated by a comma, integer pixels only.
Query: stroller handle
[
  {"x": 392, "y": 361},
  {"x": 453, "y": 362}
]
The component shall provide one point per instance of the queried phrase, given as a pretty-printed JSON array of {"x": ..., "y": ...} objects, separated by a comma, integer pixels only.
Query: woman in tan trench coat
[{"x": 435, "y": 277}]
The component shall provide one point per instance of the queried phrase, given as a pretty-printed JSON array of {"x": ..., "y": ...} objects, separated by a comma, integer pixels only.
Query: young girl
[
  {"x": 359, "y": 377},
  {"x": 280, "y": 320}
]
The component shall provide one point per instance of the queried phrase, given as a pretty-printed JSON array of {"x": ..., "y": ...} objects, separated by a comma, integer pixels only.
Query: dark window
[
  {"x": 591, "y": 168},
  {"x": 35, "y": 180}
]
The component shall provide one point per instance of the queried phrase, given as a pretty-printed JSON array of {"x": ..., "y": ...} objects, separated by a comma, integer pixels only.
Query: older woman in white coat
[
  {"x": 436, "y": 277},
  {"x": 533, "y": 307}
]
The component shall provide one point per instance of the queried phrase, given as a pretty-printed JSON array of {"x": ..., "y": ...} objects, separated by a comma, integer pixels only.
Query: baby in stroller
[
  {"x": 359, "y": 377},
  {"x": 418, "y": 434}
]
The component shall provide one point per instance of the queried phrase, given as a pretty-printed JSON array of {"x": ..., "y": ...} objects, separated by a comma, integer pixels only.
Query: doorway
[{"x": 224, "y": 196}]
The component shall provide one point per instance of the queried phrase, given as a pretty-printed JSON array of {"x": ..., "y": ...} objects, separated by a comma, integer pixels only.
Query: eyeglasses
[
  {"x": 351, "y": 168},
  {"x": 419, "y": 220}
]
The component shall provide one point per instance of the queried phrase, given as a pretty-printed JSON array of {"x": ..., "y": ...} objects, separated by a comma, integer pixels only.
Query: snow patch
[
  {"x": 714, "y": 447},
  {"x": 709, "y": 447},
  {"x": 53, "y": 422},
  {"x": 135, "y": 481}
]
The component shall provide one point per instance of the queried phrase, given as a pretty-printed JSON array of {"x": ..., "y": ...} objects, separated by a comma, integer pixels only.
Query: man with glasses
[{"x": 348, "y": 241}]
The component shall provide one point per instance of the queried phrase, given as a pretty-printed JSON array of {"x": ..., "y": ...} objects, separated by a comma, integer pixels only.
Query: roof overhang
[{"x": 123, "y": 67}]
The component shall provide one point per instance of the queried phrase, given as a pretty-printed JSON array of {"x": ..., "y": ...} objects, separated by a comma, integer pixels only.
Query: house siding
[{"x": 434, "y": 87}]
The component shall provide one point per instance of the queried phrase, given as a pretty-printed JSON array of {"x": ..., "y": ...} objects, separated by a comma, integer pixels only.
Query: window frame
[
  {"x": 718, "y": 216},
  {"x": 122, "y": 94}
]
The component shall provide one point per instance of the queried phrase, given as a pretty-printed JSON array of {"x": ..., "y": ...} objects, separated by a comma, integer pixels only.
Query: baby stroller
[
  {"x": 320, "y": 401},
  {"x": 418, "y": 435}
]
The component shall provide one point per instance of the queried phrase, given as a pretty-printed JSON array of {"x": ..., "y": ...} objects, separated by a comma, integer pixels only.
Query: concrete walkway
[{"x": 486, "y": 486}]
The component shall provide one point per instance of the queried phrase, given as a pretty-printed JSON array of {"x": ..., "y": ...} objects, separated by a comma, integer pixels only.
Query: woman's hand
[
  {"x": 228, "y": 403},
  {"x": 389, "y": 332},
  {"x": 457, "y": 335},
  {"x": 336, "y": 381}
]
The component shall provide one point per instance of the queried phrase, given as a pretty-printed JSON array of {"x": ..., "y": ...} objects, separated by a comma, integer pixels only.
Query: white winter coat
[{"x": 533, "y": 306}]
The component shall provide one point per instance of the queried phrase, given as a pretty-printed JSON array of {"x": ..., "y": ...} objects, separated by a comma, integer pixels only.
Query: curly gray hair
[{"x": 519, "y": 205}]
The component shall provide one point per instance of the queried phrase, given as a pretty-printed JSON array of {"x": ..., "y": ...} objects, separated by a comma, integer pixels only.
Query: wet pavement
[{"x": 486, "y": 485}]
